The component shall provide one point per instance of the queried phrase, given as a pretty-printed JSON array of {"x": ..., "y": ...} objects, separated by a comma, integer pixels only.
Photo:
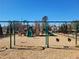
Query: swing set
[{"x": 29, "y": 32}]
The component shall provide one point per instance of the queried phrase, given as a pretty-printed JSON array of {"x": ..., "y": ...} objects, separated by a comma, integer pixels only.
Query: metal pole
[
  {"x": 47, "y": 37},
  {"x": 76, "y": 36},
  {"x": 10, "y": 35},
  {"x": 14, "y": 34},
  {"x": 47, "y": 41}
]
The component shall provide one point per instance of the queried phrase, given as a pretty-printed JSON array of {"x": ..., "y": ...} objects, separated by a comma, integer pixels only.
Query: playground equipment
[
  {"x": 48, "y": 40},
  {"x": 30, "y": 32},
  {"x": 69, "y": 39},
  {"x": 57, "y": 39}
]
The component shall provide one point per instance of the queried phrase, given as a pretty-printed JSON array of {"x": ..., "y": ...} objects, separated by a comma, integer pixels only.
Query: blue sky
[{"x": 56, "y": 10}]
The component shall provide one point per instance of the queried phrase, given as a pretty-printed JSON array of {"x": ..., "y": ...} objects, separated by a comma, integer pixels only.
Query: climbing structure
[{"x": 30, "y": 32}]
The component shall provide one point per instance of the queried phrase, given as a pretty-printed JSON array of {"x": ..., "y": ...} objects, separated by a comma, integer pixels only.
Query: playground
[{"x": 39, "y": 40}]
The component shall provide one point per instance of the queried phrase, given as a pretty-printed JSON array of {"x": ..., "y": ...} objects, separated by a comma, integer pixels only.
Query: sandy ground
[{"x": 48, "y": 53}]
